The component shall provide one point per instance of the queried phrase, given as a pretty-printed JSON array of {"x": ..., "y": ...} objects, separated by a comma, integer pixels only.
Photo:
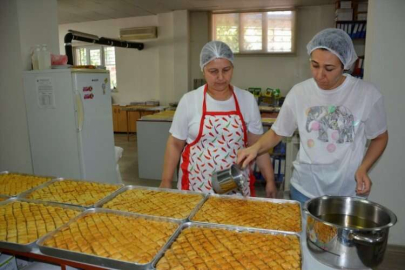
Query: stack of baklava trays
[{"x": 133, "y": 227}]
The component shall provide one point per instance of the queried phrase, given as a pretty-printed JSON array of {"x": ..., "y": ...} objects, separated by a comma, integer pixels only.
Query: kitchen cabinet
[{"x": 120, "y": 121}]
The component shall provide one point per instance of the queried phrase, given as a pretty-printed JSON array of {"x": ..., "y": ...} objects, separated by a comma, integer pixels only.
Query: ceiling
[{"x": 73, "y": 11}]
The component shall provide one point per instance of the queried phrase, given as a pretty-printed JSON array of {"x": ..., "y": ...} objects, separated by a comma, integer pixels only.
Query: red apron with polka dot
[{"x": 220, "y": 136}]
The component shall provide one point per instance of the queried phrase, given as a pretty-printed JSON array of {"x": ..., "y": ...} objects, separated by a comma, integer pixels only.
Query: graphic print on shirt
[{"x": 337, "y": 119}]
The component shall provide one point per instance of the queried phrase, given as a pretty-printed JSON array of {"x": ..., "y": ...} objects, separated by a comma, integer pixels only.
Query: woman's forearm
[
  {"x": 267, "y": 141},
  {"x": 374, "y": 151},
  {"x": 171, "y": 159},
  {"x": 265, "y": 167}
]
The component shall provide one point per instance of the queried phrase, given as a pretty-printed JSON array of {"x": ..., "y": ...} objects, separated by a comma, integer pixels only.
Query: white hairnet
[
  {"x": 337, "y": 42},
  {"x": 213, "y": 50}
]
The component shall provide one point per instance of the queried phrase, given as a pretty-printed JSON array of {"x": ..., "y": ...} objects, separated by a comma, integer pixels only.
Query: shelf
[{"x": 355, "y": 29}]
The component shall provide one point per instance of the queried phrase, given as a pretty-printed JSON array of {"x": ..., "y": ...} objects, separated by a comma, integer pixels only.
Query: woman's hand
[
  {"x": 363, "y": 186},
  {"x": 271, "y": 189},
  {"x": 165, "y": 184},
  {"x": 245, "y": 156}
]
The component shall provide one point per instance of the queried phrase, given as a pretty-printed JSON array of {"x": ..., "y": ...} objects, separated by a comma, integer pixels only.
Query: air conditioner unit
[{"x": 138, "y": 33}]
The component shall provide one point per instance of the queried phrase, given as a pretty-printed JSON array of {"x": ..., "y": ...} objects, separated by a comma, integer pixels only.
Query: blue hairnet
[
  {"x": 213, "y": 50},
  {"x": 337, "y": 42}
]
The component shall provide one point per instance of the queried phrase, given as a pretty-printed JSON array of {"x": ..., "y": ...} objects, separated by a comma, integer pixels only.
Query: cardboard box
[
  {"x": 345, "y": 4},
  {"x": 7, "y": 262},
  {"x": 362, "y": 17},
  {"x": 362, "y": 7},
  {"x": 344, "y": 14}
]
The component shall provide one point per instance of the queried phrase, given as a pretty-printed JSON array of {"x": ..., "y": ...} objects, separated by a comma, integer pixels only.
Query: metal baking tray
[
  {"x": 236, "y": 197},
  {"x": 27, "y": 193},
  {"x": 224, "y": 227},
  {"x": 130, "y": 187},
  {"x": 26, "y": 174},
  {"x": 98, "y": 260},
  {"x": 30, "y": 246}
]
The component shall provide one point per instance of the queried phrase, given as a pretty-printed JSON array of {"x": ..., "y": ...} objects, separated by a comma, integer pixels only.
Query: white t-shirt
[
  {"x": 186, "y": 121},
  {"x": 334, "y": 126}
]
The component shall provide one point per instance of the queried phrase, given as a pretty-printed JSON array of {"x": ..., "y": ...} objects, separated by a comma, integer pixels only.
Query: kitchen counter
[
  {"x": 268, "y": 118},
  {"x": 142, "y": 109},
  {"x": 165, "y": 116}
]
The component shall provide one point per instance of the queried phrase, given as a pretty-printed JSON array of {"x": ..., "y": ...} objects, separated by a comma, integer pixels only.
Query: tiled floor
[{"x": 394, "y": 257}]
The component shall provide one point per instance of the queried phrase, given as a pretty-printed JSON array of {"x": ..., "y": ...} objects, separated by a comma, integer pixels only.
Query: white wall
[
  {"x": 22, "y": 24},
  {"x": 267, "y": 70},
  {"x": 384, "y": 61},
  {"x": 136, "y": 70},
  {"x": 181, "y": 57},
  {"x": 199, "y": 35},
  {"x": 153, "y": 72}
]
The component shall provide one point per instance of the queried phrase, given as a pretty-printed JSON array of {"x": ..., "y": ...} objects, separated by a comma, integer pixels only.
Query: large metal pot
[{"x": 347, "y": 232}]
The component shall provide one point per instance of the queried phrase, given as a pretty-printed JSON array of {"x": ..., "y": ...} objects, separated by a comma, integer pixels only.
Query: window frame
[
  {"x": 264, "y": 32},
  {"x": 102, "y": 57}
]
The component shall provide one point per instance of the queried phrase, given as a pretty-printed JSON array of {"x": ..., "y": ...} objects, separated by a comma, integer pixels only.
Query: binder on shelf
[
  {"x": 363, "y": 33},
  {"x": 359, "y": 30},
  {"x": 354, "y": 33},
  {"x": 349, "y": 29}
]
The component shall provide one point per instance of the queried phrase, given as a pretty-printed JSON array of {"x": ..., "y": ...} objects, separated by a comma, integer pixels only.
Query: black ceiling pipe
[{"x": 74, "y": 35}]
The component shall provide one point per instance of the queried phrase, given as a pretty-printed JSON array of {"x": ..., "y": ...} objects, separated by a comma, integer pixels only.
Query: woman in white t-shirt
[
  {"x": 335, "y": 115},
  {"x": 211, "y": 124}
]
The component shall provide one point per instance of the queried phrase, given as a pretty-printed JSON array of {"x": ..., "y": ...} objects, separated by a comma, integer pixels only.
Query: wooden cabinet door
[
  {"x": 122, "y": 120},
  {"x": 133, "y": 117},
  {"x": 115, "y": 117}
]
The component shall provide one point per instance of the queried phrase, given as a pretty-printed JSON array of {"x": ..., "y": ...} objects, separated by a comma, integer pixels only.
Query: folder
[
  {"x": 359, "y": 30},
  {"x": 363, "y": 33},
  {"x": 354, "y": 33}
]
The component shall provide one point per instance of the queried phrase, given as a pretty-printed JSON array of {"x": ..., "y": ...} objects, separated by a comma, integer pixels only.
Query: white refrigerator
[{"x": 70, "y": 124}]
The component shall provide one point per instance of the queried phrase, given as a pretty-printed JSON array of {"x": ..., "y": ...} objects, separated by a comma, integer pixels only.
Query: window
[
  {"x": 98, "y": 56},
  {"x": 256, "y": 32}
]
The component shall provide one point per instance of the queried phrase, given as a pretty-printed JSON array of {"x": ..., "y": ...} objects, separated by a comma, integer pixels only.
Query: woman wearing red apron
[{"x": 211, "y": 124}]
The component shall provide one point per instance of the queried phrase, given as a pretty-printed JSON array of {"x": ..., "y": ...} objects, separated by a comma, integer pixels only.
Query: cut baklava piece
[
  {"x": 23, "y": 222},
  {"x": 126, "y": 243},
  {"x": 250, "y": 213},
  {"x": 12, "y": 184},
  {"x": 74, "y": 192},
  {"x": 238, "y": 255},
  {"x": 154, "y": 202}
]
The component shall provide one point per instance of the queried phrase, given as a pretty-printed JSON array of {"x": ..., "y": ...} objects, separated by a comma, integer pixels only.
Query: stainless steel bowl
[
  {"x": 228, "y": 179},
  {"x": 347, "y": 232}
]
